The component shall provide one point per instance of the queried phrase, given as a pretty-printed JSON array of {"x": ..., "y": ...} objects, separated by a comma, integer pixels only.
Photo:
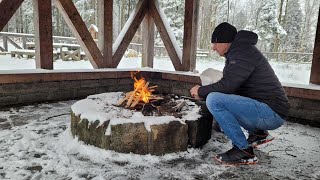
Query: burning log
[{"x": 141, "y": 93}]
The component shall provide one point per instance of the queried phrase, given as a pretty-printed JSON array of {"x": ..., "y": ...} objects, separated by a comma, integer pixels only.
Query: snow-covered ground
[
  {"x": 36, "y": 143},
  {"x": 286, "y": 72},
  {"x": 297, "y": 73}
]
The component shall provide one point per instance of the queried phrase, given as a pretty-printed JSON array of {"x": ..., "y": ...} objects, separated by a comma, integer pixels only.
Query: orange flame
[{"x": 141, "y": 89}]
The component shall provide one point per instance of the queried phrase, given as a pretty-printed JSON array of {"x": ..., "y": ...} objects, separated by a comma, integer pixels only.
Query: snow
[
  {"x": 103, "y": 107},
  {"x": 36, "y": 143},
  {"x": 295, "y": 73},
  {"x": 94, "y": 27}
]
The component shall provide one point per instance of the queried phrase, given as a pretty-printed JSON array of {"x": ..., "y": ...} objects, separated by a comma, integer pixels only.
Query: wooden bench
[
  {"x": 67, "y": 51},
  {"x": 20, "y": 53}
]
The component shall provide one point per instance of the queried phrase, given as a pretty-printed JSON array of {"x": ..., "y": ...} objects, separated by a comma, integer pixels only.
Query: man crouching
[{"x": 249, "y": 95}]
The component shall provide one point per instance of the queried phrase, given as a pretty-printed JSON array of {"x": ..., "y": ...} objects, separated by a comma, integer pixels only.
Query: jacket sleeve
[{"x": 235, "y": 73}]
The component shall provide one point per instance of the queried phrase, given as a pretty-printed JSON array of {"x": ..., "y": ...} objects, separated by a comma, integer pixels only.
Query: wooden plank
[
  {"x": 105, "y": 27},
  {"x": 128, "y": 31},
  {"x": 148, "y": 41},
  {"x": 79, "y": 29},
  {"x": 24, "y": 42},
  {"x": 315, "y": 67},
  {"x": 166, "y": 34},
  {"x": 14, "y": 43},
  {"x": 190, "y": 34},
  {"x": 43, "y": 34},
  {"x": 5, "y": 42},
  {"x": 2, "y": 49},
  {"x": 7, "y": 9}
]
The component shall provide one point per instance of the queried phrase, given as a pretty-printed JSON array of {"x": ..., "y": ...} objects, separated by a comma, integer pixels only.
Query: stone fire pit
[{"x": 97, "y": 121}]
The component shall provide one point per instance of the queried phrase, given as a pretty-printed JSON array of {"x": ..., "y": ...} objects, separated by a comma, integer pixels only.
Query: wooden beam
[
  {"x": 79, "y": 29},
  {"x": 43, "y": 34},
  {"x": 7, "y": 9},
  {"x": 148, "y": 41},
  {"x": 166, "y": 34},
  {"x": 128, "y": 31},
  {"x": 105, "y": 27},
  {"x": 315, "y": 67},
  {"x": 190, "y": 34}
]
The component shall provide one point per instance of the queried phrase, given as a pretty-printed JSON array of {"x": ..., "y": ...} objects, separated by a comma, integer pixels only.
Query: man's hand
[{"x": 194, "y": 92}]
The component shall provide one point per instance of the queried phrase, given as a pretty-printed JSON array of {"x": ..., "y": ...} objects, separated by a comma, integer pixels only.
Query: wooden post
[
  {"x": 7, "y": 9},
  {"x": 190, "y": 34},
  {"x": 43, "y": 34},
  {"x": 315, "y": 67},
  {"x": 5, "y": 42},
  {"x": 105, "y": 27},
  {"x": 148, "y": 40},
  {"x": 24, "y": 42}
]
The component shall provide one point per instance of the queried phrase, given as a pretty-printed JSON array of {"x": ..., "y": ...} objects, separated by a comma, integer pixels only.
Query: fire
[
  {"x": 141, "y": 89},
  {"x": 141, "y": 93}
]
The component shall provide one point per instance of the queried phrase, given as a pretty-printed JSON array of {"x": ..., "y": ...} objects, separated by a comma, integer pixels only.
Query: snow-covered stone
[{"x": 97, "y": 120}]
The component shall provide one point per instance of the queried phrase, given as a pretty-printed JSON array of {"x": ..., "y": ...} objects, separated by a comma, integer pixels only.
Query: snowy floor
[{"x": 35, "y": 143}]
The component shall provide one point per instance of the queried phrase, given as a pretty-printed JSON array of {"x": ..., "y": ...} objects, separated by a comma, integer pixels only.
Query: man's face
[{"x": 221, "y": 48}]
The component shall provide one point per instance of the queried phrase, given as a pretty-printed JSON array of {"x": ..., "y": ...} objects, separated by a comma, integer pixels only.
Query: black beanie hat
[{"x": 223, "y": 33}]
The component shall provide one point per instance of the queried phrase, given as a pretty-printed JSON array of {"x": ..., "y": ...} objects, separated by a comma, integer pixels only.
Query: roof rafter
[{"x": 78, "y": 27}]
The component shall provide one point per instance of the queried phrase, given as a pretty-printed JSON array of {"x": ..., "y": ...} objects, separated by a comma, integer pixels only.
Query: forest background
[{"x": 282, "y": 25}]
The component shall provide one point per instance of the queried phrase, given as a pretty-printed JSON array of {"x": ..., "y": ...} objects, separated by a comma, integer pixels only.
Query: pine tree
[
  {"x": 174, "y": 10},
  {"x": 293, "y": 26},
  {"x": 266, "y": 24}
]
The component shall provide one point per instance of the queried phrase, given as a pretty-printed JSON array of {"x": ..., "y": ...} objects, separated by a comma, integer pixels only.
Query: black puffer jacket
[{"x": 248, "y": 73}]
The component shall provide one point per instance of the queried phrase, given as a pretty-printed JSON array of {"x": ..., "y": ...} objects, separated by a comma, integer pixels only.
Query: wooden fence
[{"x": 25, "y": 39}]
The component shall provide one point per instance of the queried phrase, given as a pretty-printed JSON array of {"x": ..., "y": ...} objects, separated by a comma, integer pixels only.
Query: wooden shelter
[{"x": 147, "y": 12}]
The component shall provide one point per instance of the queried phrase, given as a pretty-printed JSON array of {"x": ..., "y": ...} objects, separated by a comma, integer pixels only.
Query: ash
[{"x": 36, "y": 143}]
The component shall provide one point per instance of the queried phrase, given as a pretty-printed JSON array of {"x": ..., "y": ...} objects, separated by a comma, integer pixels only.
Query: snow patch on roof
[{"x": 92, "y": 26}]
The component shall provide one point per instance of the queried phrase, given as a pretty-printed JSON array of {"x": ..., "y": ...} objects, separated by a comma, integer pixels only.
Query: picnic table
[
  {"x": 29, "y": 53},
  {"x": 65, "y": 51}
]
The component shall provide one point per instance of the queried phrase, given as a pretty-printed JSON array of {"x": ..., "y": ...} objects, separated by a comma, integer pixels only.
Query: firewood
[
  {"x": 155, "y": 98},
  {"x": 136, "y": 100},
  {"x": 139, "y": 97},
  {"x": 125, "y": 98},
  {"x": 179, "y": 106},
  {"x": 132, "y": 96},
  {"x": 152, "y": 87}
]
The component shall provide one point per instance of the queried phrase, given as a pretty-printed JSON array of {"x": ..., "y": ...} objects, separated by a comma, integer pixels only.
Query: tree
[
  {"x": 207, "y": 21},
  {"x": 174, "y": 10},
  {"x": 266, "y": 24},
  {"x": 292, "y": 23},
  {"x": 309, "y": 25}
]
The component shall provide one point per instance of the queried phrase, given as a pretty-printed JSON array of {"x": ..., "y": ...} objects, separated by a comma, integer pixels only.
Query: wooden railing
[
  {"x": 289, "y": 56},
  {"x": 14, "y": 38}
]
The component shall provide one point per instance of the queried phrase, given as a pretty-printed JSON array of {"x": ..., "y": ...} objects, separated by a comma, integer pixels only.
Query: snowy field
[
  {"x": 286, "y": 72},
  {"x": 36, "y": 143}
]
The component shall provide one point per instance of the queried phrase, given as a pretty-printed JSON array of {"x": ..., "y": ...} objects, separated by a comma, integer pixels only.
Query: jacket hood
[{"x": 247, "y": 37}]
